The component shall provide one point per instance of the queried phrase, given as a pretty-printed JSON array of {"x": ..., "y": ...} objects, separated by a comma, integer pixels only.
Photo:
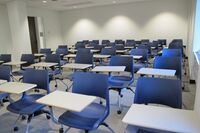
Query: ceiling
[{"x": 71, "y": 4}]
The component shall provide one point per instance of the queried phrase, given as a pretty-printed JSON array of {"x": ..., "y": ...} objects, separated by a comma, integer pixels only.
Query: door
[{"x": 33, "y": 34}]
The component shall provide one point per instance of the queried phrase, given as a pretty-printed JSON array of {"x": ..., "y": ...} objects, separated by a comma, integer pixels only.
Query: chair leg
[
  {"x": 107, "y": 126},
  {"x": 15, "y": 127},
  {"x": 86, "y": 131},
  {"x": 28, "y": 122},
  {"x": 119, "y": 111}
]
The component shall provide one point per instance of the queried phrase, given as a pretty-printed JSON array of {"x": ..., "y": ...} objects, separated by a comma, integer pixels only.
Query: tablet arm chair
[
  {"x": 119, "y": 82},
  {"x": 94, "y": 114},
  {"x": 4, "y": 75},
  {"x": 27, "y": 105},
  {"x": 161, "y": 91}
]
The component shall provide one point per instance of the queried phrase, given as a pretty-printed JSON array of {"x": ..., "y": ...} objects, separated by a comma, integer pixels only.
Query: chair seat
[
  {"x": 54, "y": 72},
  {"x": 119, "y": 81},
  {"x": 26, "y": 105},
  {"x": 88, "y": 119},
  {"x": 3, "y": 95},
  {"x": 137, "y": 66}
]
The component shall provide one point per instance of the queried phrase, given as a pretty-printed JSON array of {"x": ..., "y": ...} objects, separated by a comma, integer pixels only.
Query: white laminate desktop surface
[
  {"x": 101, "y": 56},
  {"x": 121, "y": 51},
  {"x": 39, "y": 55},
  {"x": 137, "y": 57},
  {"x": 94, "y": 50},
  {"x": 66, "y": 100},
  {"x": 128, "y": 47},
  {"x": 14, "y": 63},
  {"x": 77, "y": 66},
  {"x": 109, "y": 69},
  {"x": 157, "y": 72},
  {"x": 162, "y": 118},
  {"x": 16, "y": 87},
  {"x": 44, "y": 64},
  {"x": 2, "y": 81},
  {"x": 70, "y": 56},
  {"x": 1, "y": 61}
]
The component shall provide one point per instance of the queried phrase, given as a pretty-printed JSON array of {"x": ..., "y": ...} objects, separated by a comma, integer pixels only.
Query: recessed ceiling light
[
  {"x": 114, "y": 2},
  {"x": 44, "y": 1}
]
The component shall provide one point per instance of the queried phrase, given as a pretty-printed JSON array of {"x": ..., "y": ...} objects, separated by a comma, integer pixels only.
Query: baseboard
[{"x": 192, "y": 82}]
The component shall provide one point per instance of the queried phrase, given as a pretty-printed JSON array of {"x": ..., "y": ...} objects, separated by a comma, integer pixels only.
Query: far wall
[{"x": 157, "y": 19}]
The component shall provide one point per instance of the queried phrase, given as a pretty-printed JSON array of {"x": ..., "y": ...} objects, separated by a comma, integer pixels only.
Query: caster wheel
[
  {"x": 119, "y": 112},
  {"x": 101, "y": 102},
  {"x": 23, "y": 117},
  {"x": 183, "y": 88},
  {"x": 48, "y": 117},
  {"x": 61, "y": 130},
  {"x": 121, "y": 95},
  {"x": 56, "y": 86},
  {"x": 16, "y": 129}
]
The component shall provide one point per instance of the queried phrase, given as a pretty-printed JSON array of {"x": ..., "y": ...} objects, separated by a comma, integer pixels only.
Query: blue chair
[
  {"x": 146, "y": 46},
  {"x": 84, "y": 58},
  {"x": 177, "y": 44},
  {"x": 118, "y": 83},
  {"x": 63, "y": 46},
  {"x": 84, "y": 50},
  {"x": 79, "y": 45},
  {"x": 45, "y": 51},
  {"x": 94, "y": 114},
  {"x": 5, "y": 58},
  {"x": 143, "y": 62},
  {"x": 95, "y": 41},
  {"x": 107, "y": 51},
  {"x": 4, "y": 75},
  {"x": 171, "y": 53},
  {"x": 105, "y": 42},
  {"x": 55, "y": 71},
  {"x": 27, "y": 105},
  {"x": 156, "y": 91},
  {"x": 169, "y": 63},
  {"x": 130, "y": 43},
  {"x": 119, "y": 42},
  {"x": 119, "y": 47},
  {"x": 62, "y": 51},
  {"x": 29, "y": 59}
]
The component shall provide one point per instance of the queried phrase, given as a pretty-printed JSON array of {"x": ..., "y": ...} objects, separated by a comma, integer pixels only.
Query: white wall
[
  {"x": 52, "y": 25},
  {"x": 140, "y": 20},
  {"x": 5, "y": 35}
]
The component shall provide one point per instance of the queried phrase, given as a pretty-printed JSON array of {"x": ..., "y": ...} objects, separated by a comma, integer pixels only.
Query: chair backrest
[
  {"x": 159, "y": 91},
  {"x": 119, "y": 42},
  {"x": 5, "y": 72},
  {"x": 45, "y": 51},
  {"x": 95, "y": 41},
  {"x": 105, "y": 42},
  {"x": 84, "y": 58},
  {"x": 63, "y": 51},
  {"x": 130, "y": 43},
  {"x": 123, "y": 61},
  {"x": 154, "y": 44},
  {"x": 28, "y": 58},
  {"x": 145, "y": 41},
  {"x": 145, "y": 46},
  {"x": 171, "y": 53},
  {"x": 38, "y": 77},
  {"x": 174, "y": 63},
  {"x": 63, "y": 46},
  {"x": 79, "y": 45},
  {"x": 108, "y": 51},
  {"x": 119, "y": 47},
  {"x": 140, "y": 52},
  {"x": 5, "y": 57},
  {"x": 83, "y": 50},
  {"x": 162, "y": 42},
  {"x": 53, "y": 58},
  {"x": 98, "y": 47}
]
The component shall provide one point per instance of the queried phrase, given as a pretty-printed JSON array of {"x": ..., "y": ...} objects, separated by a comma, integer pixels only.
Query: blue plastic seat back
[
  {"x": 5, "y": 72},
  {"x": 79, "y": 45},
  {"x": 145, "y": 41},
  {"x": 119, "y": 47},
  {"x": 171, "y": 53},
  {"x": 38, "y": 77},
  {"x": 98, "y": 47},
  {"x": 53, "y": 58},
  {"x": 119, "y": 42},
  {"x": 84, "y": 58},
  {"x": 140, "y": 52},
  {"x": 145, "y": 46},
  {"x": 28, "y": 58},
  {"x": 5, "y": 57},
  {"x": 63, "y": 46},
  {"x": 130, "y": 43},
  {"x": 105, "y": 42},
  {"x": 158, "y": 91},
  {"x": 62, "y": 50},
  {"x": 95, "y": 41},
  {"x": 45, "y": 51},
  {"x": 83, "y": 50},
  {"x": 174, "y": 63},
  {"x": 123, "y": 61},
  {"x": 108, "y": 51},
  {"x": 91, "y": 84}
]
